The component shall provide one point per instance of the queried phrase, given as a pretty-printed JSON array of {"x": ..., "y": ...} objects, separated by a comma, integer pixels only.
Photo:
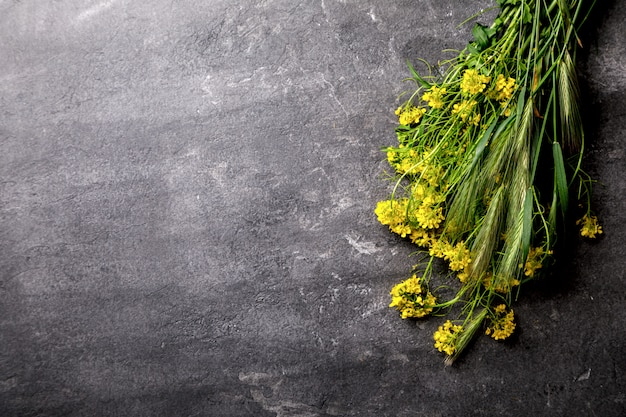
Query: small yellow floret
[
  {"x": 410, "y": 114},
  {"x": 502, "y": 324},
  {"x": 401, "y": 229},
  {"x": 473, "y": 82},
  {"x": 412, "y": 299},
  {"x": 507, "y": 107},
  {"x": 421, "y": 237},
  {"x": 439, "y": 248},
  {"x": 392, "y": 213},
  {"x": 589, "y": 226},
  {"x": 458, "y": 256},
  {"x": 434, "y": 97},
  {"x": 446, "y": 336},
  {"x": 534, "y": 260},
  {"x": 465, "y": 110},
  {"x": 505, "y": 86},
  {"x": 429, "y": 215}
]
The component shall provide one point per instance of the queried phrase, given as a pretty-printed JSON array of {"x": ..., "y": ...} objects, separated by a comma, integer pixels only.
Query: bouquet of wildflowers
[{"x": 487, "y": 162}]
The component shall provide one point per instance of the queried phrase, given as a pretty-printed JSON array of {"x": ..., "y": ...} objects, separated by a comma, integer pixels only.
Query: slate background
[{"x": 186, "y": 227}]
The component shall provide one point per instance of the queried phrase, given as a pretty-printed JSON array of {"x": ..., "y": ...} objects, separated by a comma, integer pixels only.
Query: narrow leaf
[
  {"x": 527, "y": 222},
  {"x": 417, "y": 77},
  {"x": 482, "y": 143},
  {"x": 560, "y": 178}
]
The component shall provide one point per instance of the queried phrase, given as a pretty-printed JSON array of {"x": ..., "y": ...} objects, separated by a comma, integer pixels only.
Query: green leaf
[
  {"x": 560, "y": 178},
  {"x": 417, "y": 77},
  {"x": 527, "y": 222},
  {"x": 472, "y": 50},
  {"x": 482, "y": 36},
  {"x": 482, "y": 143},
  {"x": 528, "y": 17}
]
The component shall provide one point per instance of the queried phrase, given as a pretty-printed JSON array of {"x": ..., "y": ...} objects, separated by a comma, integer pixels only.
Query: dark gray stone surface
[{"x": 186, "y": 205}]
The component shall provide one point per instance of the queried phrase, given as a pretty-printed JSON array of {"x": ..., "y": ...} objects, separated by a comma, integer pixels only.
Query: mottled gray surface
[{"x": 186, "y": 203}]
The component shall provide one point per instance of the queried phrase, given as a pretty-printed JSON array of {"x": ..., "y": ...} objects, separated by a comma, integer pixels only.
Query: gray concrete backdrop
[{"x": 187, "y": 228}]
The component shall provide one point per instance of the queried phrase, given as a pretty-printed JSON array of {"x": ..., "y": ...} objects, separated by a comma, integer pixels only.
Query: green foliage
[{"x": 471, "y": 160}]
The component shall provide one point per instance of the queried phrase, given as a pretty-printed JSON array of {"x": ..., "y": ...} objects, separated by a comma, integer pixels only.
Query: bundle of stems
[{"x": 488, "y": 156}]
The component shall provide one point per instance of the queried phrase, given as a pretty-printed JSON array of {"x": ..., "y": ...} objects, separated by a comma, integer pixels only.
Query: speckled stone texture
[{"x": 187, "y": 228}]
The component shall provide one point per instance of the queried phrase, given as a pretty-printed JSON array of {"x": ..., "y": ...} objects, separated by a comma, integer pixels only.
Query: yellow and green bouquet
[{"x": 487, "y": 162}]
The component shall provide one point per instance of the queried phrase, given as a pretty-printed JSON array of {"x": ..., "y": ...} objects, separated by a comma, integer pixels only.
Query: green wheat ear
[{"x": 568, "y": 99}]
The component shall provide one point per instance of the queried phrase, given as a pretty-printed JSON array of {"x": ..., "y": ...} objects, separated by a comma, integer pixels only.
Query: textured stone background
[{"x": 186, "y": 228}]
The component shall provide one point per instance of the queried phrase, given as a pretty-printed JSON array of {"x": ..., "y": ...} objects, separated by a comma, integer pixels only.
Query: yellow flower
[
  {"x": 507, "y": 108},
  {"x": 407, "y": 160},
  {"x": 410, "y": 114},
  {"x": 392, "y": 213},
  {"x": 412, "y": 299},
  {"x": 505, "y": 86},
  {"x": 401, "y": 229},
  {"x": 503, "y": 92},
  {"x": 421, "y": 237},
  {"x": 434, "y": 97},
  {"x": 446, "y": 336},
  {"x": 429, "y": 215},
  {"x": 392, "y": 156},
  {"x": 420, "y": 190},
  {"x": 433, "y": 174},
  {"x": 502, "y": 324},
  {"x": 473, "y": 82},
  {"x": 438, "y": 248},
  {"x": 589, "y": 226},
  {"x": 463, "y": 276},
  {"x": 427, "y": 211},
  {"x": 403, "y": 159},
  {"x": 465, "y": 110},
  {"x": 534, "y": 260},
  {"x": 458, "y": 255}
]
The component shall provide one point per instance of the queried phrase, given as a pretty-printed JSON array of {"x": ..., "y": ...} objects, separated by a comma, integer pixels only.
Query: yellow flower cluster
[
  {"x": 505, "y": 86},
  {"x": 502, "y": 324},
  {"x": 503, "y": 91},
  {"x": 431, "y": 173},
  {"x": 466, "y": 111},
  {"x": 434, "y": 96},
  {"x": 458, "y": 255},
  {"x": 589, "y": 226},
  {"x": 429, "y": 214},
  {"x": 473, "y": 82},
  {"x": 419, "y": 218},
  {"x": 393, "y": 213},
  {"x": 446, "y": 336},
  {"x": 463, "y": 276},
  {"x": 413, "y": 217},
  {"x": 403, "y": 159},
  {"x": 412, "y": 299},
  {"x": 534, "y": 260},
  {"x": 409, "y": 114},
  {"x": 406, "y": 160},
  {"x": 422, "y": 237}
]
